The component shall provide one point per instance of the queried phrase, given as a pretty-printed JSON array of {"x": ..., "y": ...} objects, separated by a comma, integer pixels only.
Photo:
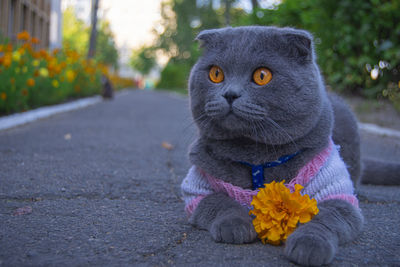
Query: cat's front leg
[
  {"x": 316, "y": 242},
  {"x": 225, "y": 219}
]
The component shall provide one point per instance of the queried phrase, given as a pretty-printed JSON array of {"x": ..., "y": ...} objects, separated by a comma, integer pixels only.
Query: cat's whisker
[
  {"x": 274, "y": 123},
  {"x": 265, "y": 135}
]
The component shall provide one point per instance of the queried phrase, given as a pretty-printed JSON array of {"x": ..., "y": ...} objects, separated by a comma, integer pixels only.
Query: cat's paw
[
  {"x": 309, "y": 249},
  {"x": 233, "y": 229}
]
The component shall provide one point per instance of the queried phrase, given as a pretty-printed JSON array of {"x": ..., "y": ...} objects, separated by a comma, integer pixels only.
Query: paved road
[{"x": 96, "y": 187}]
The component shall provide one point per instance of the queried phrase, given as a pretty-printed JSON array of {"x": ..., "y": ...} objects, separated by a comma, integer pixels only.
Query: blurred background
[{"x": 52, "y": 51}]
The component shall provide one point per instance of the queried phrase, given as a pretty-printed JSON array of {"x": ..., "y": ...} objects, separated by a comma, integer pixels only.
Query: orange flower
[
  {"x": 23, "y": 36},
  {"x": 36, "y": 55},
  {"x": 55, "y": 51},
  {"x": 43, "y": 53},
  {"x": 30, "y": 82},
  {"x": 36, "y": 73},
  {"x": 278, "y": 212},
  {"x": 3, "y": 96},
  {"x": 7, "y": 60},
  {"x": 35, "y": 40},
  {"x": 21, "y": 50},
  {"x": 9, "y": 48},
  {"x": 24, "y": 92},
  {"x": 12, "y": 80},
  {"x": 77, "y": 88}
]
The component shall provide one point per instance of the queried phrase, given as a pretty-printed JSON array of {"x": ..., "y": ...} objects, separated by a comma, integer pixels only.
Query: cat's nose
[{"x": 231, "y": 96}]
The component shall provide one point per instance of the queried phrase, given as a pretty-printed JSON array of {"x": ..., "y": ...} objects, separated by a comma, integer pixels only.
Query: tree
[
  {"x": 74, "y": 31},
  {"x": 106, "y": 50},
  {"x": 181, "y": 22},
  {"x": 76, "y": 37},
  {"x": 143, "y": 60},
  {"x": 93, "y": 30}
]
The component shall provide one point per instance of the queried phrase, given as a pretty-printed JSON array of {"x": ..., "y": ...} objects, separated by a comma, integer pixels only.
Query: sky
[{"x": 132, "y": 20}]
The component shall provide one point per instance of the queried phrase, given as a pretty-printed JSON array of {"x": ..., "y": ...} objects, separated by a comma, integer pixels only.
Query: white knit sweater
[{"x": 324, "y": 177}]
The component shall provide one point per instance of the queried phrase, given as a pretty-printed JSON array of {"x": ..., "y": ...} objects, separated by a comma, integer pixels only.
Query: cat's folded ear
[
  {"x": 208, "y": 38},
  {"x": 296, "y": 44}
]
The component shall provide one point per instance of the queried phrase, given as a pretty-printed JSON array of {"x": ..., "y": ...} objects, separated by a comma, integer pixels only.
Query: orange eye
[
  {"x": 216, "y": 74},
  {"x": 262, "y": 76}
]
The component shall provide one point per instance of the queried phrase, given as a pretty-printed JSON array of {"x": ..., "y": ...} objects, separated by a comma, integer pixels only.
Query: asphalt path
[{"x": 100, "y": 186}]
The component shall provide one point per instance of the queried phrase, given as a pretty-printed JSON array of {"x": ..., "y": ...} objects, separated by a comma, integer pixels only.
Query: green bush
[
  {"x": 174, "y": 76},
  {"x": 357, "y": 41}
]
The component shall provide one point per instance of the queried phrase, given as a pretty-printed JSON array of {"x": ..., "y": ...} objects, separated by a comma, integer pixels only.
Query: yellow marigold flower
[
  {"x": 277, "y": 211},
  {"x": 3, "y": 96},
  {"x": 30, "y": 82},
  {"x": 55, "y": 83},
  {"x": 1, "y": 48},
  {"x": 70, "y": 74},
  {"x": 23, "y": 36},
  {"x": 24, "y": 69},
  {"x": 16, "y": 56},
  {"x": 43, "y": 72},
  {"x": 35, "y": 63}
]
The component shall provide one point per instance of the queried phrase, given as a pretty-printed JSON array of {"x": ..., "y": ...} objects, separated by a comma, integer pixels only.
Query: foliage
[
  {"x": 30, "y": 78},
  {"x": 174, "y": 75},
  {"x": 75, "y": 34},
  {"x": 181, "y": 22},
  {"x": 143, "y": 59},
  {"x": 356, "y": 40},
  {"x": 106, "y": 51},
  {"x": 76, "y": 37},
  {"x": 120, "y": 82}
]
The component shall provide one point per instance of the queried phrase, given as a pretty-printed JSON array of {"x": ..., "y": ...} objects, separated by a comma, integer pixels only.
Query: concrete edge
[
  {"x": 18, "y": 119},
  {"x": 378, "y": 130}
]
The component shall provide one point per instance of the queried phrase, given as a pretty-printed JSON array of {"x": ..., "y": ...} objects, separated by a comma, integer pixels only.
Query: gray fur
[{"x": 262, "y": 123}]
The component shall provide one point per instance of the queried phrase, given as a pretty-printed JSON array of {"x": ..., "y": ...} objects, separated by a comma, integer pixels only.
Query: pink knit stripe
[
  {"x": 243, "y": 196},
  {"x": 349, "y": 198},
  {"x": 189, "y": 208},
  {"x": 311, "y": 168}
]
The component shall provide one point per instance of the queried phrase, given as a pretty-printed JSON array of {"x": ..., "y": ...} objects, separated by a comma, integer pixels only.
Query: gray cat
[{"x": 259, "y": 101}]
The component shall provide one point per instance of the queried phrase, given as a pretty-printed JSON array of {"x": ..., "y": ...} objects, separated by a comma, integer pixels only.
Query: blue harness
[{"x": 257, "y": 171}]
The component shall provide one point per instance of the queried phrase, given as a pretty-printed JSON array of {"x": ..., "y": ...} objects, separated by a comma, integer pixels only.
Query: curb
[
  {"x": 377, "y": 130},
  {"x": 18, "y": 119}
]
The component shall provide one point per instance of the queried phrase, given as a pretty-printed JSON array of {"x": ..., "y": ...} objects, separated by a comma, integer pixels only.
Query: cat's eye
[
  {"x": 262, "y": 76},
  {"x": 216, "y": 74}
]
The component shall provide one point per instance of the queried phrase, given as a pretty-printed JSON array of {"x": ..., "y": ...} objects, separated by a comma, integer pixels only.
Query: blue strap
[{"x": 257, "y": 171}]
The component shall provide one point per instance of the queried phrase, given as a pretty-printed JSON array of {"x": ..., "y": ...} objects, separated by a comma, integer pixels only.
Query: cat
[
  {"x": 257, "y": 95},
  {"x": 108, "y": 89}
]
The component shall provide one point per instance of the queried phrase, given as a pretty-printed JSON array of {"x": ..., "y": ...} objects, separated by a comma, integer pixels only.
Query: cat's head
[{"x": 256, "y": 82}]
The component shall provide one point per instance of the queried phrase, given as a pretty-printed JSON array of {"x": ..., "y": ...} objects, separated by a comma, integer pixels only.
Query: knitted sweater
[{"x": 324, "y": 177}]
